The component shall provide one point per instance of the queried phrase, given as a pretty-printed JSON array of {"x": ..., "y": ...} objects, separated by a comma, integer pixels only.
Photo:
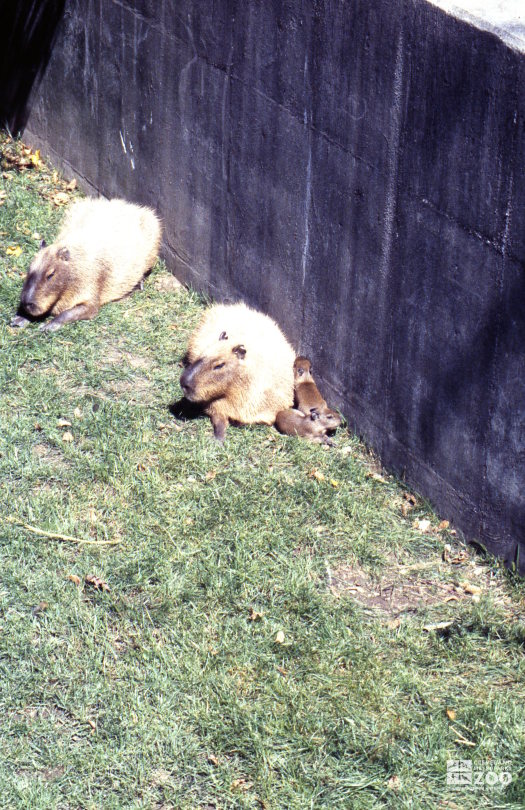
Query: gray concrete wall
[{"x": 355, "y": 168}]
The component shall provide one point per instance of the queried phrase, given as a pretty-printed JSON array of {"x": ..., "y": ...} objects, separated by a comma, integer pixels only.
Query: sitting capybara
[
  {"x": 240, "y": 367},
  {"x": 308, "y": 398},
  {"x": 103, "y": 250}
]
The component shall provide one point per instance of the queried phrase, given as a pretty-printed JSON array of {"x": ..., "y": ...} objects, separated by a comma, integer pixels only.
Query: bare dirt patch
[
  {"x": 116, "y": 356},
  {"x": 140, "y": 389},
  {"x": 393, "y": 594},
  {"x": 457, "y": 576},
  {"x": 49, "y": 455}
]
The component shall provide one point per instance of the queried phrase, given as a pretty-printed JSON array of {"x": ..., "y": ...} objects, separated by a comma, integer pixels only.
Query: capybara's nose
[
  {"x": 29, "y": 305},
  {"x": 187, "y": 377}
]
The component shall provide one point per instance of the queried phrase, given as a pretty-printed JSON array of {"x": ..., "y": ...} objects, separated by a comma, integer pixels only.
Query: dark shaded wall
[
  {"x": 27, "y": 33},
  {"x": 356, "y": 171}
]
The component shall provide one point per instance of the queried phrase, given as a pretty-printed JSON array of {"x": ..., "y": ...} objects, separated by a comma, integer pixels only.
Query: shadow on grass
[{"x": 185, "y": 410}]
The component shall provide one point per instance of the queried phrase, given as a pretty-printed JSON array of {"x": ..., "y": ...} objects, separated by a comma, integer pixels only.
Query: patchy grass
[{"x": 285, "y": 626}]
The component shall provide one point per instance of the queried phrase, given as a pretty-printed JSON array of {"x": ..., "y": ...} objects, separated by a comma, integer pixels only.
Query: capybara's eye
[
  {"x": 218, "y": 366},
  {"x": 51, "y": 273}
]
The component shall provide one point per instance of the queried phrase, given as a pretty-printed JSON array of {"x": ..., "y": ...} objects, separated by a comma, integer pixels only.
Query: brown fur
[
  {"x": 102, "y": 252},
  {"x": 239, "y": 367},
  {"x": 308, "y": 398},
  {"x": 314, "y": 427}
]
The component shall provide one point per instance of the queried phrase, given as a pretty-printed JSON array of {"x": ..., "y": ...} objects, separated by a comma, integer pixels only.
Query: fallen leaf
[
  {"x": 91, "y": 723},
  {"x": 63, "y": 423},
  {"x": 393, "y": 624},
  {"x": 443, "y": 525},
  {"x": 96, "y": 582},
  {"x": 422, "y": 525},
  {"x": 438, "y": 626},
  {"x": 210, "y": 475},
  {"x": 317, "y": 474},
  {"x": 71, "y": 186},
  {"x": 39, "y": 608},
  {"x": 451, "y": 714},
  {"x": 460, "y": 557},
  {"x": 255, "y": 616},
  {"x": 38, "y": 426},
  {"x": 283, "y": 671},
  {"x": 241, "y": 784},
  {"x": 213, "y": 759},
  {"x": 279, "y": 638},
  {"x": 67, "y": 436},
  {"x": 74, "y": 579},
  {"x": 394, "y": 783},
  {"x": 77, "y": 413},
  {"x": 472, "y": 589},
  {"x": 334, "y": 483},
  {"x": 35, "y": 159},
  {"x": 61, "y": 198},
  {"x": 375, "y": 476},
  {"x": 13, "y": 250}
]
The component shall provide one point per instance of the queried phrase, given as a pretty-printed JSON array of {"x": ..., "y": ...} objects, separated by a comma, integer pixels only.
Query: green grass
[{"x": 170, "y": 690}]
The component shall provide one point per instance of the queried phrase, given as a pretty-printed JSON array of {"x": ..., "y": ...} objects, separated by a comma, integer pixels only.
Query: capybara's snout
[{"x": 188, "y": 377}]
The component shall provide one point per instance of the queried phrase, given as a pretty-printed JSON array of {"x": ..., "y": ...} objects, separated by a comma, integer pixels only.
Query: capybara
[
  {"x": 315, "y": 426},
  {"x": 308, "y": 398},
  {"x": 103, "y": 250},
  {"x": 239, "y": 366}
]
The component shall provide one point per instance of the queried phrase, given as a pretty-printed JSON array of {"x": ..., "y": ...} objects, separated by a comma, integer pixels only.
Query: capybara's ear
[
  {"x": 43, "y": 244},
  {"x": 223, "y": 336},
  {"x": 239, "y": 351},
  {"x": 64, "y": 254}
]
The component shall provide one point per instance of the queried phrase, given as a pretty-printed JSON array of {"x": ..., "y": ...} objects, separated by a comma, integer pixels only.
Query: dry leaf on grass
[
  {"x": 74, "y": 579},
  {"x": 96, "y": 582},
  {"x": 451, "y": 714},
  {"x": 13, "y": 250},
  {"x": 317, "y": 474},
  {"x": 39, "y": 608},
  {"x": 241, "y": 784},
  {"x": 279, "y": 638},
  {"x": 67, "y": 436},
  {"x": 61, "y": 198},
  {"x": 255, "y": 616},
  {"x": 460, "y": 556},
  {"x": 375, "y": 476},
  {"x": 439, "y": 626},
  {"x": 63, "y": 423},
  {"x": 394, "y": 783},
  {"x": 71, "y": 186},
  {"x": 422, "y": 525}
]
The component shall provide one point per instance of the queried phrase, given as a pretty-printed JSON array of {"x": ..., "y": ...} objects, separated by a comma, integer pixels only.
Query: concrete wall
[{"x": 355, "y": 170}]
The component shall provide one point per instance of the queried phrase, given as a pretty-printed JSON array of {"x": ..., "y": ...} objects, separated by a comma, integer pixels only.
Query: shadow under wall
[{"x": 27, "y": 32}]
